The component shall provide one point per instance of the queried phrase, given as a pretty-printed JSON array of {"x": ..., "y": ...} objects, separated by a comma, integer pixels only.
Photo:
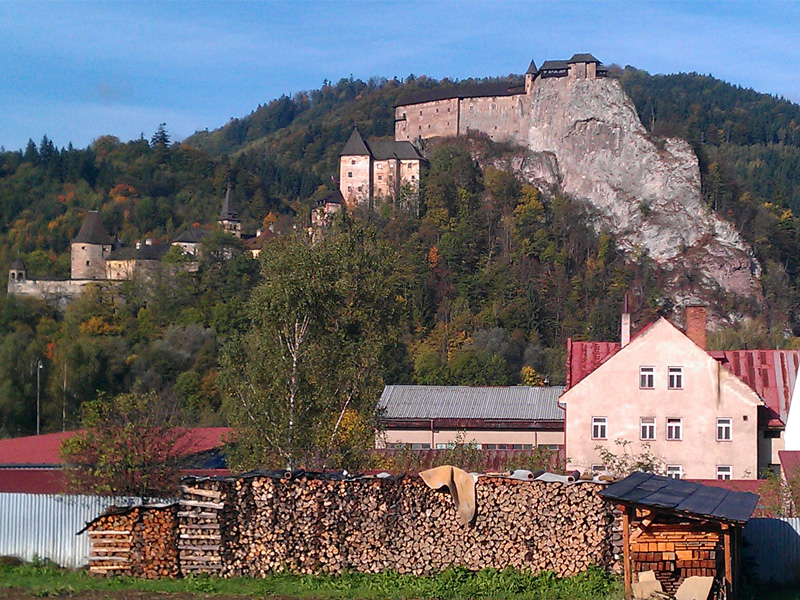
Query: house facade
[
  {"x": 708, "y": 415},
  {"x": 427, "y": 417}
]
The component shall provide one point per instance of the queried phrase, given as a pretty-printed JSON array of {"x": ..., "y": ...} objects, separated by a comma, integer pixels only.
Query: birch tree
[{"x": 302, "y": 382}]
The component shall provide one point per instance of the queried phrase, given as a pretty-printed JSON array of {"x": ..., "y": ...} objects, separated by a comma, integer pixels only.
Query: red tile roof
[{"x": 43, "y": 450}]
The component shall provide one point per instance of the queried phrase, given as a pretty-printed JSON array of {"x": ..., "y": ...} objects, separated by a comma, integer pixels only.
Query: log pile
[
  {"x": 676, "y": 552},
  {"x": 315, "y": 525},
  {"x": 200, "y": 524},
  {"x": 137, "y": 541},
  {"x": 110, "y": 537}
]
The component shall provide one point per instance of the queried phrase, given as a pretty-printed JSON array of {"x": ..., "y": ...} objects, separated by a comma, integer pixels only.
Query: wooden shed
[{"x": 680, "y": 529}]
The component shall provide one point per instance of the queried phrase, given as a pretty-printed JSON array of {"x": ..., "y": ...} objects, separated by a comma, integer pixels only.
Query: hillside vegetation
[{"x": 493, "y": 276}]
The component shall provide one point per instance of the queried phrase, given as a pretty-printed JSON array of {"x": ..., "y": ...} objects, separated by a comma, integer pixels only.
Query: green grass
[{"x": 453, "y": 584}]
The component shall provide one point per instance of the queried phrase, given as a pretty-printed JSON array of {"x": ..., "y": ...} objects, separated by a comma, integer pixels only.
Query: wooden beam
[
  {"x": 726, "y": 532},
  {"x": 626, "y": 550}
]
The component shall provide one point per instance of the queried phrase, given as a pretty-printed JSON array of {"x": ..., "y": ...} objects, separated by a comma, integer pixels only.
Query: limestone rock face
[{"x": 586, "y": 138}]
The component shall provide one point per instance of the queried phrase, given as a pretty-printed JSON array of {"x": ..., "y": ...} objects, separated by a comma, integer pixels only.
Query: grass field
[{"x": 40, "y": 580}]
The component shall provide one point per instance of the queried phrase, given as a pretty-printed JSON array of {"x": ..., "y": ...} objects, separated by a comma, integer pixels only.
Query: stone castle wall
[{"x": 89, "y": 260}]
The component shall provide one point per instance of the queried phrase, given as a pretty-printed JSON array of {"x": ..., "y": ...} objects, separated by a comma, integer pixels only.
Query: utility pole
[{"x": 38, "y": 388}]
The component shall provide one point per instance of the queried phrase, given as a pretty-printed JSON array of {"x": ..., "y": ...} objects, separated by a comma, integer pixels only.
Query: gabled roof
[
  {"x": 387, "y": 149},
  {"x": 522, "y": 403},
  {"x": 334, "y": 197},
  {"x": 92, "y": 231},
  {"x": 355, "y": 146},
  {"x": 193, "y": 235},
  {"x": 790, "y": 462},
  {"x": 532, "y": 70},
  {"x": 585, "y": 57},
  {"x": 684, "y": 497},
  {"x": 257, "y": 241},
  {"x": 769, "y": 373}
]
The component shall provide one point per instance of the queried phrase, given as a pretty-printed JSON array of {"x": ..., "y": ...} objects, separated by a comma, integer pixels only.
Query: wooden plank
[
  {"x": 626, "y": 550},
  {"x": 191, "y": 526},
  {"x": 198, "y": 504},
  {"x": 199, "y": 515},
  {"x": 208, "y": 536},
  {"x": 106, "y": 568},
  {"x": 200, "y": 492},
  {"x": 726, "y": 532},
  {"x": 97, "y": 532},
  {"x": 200, "y": 567},
  {"x": 116, "y": 558}
]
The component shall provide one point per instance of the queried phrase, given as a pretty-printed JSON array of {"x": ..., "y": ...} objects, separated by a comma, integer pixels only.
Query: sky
[{"x": 75, "y": 70}]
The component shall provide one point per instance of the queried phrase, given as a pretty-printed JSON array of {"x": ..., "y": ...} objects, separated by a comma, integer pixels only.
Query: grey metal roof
[
  {"x": 92, "y": 231},
  {"x": 687, "y": 497},
  {"x": 464, "y": 402}
]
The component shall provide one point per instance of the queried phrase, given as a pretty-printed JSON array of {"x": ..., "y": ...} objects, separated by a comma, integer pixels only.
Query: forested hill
[{"x": 492, "y": 276}]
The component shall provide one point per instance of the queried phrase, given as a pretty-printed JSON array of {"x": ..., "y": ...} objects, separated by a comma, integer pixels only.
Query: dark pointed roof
[
  {"x": 228, "y": 213},
  {"x": 92, "y": 231},
  {"x": 585, "y": 57},
  {"x": 355, "y": 146},
  {"x": 18, "y": 265},
  {"x": 532, "y": 70}
]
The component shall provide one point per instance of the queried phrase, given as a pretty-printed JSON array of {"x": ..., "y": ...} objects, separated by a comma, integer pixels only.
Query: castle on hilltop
[
  {"x": 96, "y": 258},
  {"x": 497, "y": 109}
]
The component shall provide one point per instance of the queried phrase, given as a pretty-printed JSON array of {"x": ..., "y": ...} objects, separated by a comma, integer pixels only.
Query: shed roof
[
  {"x": 92, "y": 231},
  {"x": 522, "y": 403},
  {"x": 685, "y": 497}
]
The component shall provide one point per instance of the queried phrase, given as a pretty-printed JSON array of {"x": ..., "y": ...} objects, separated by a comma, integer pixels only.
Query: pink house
[{"x": 708, "y": 415}]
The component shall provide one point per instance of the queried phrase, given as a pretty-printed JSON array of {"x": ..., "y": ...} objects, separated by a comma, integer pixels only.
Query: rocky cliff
[{"x": 586, "y": 138}]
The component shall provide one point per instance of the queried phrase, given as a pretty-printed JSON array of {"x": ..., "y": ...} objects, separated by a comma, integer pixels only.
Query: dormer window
[
  {"x": 675, "y": 378},
  {"x": 646, "y": 378}
]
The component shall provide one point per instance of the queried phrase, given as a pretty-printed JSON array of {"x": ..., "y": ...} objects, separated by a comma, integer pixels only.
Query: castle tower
[
  {"x": 90, "y": 248},
  {"x": 355, "y": 171},
  {"x": 228, "y": 217},
  {"x": 530, "y": 76},
  {"x": 17, "y": 273}
]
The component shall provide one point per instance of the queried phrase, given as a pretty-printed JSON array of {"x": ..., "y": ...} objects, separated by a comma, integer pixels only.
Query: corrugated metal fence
[
  {"x": 34, "y": 525},
  {"x": 772, "y": 550}
]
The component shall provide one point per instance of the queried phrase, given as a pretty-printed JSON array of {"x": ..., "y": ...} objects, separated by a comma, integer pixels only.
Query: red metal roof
[
  {"x": 790, "y": 461},
  {"x": 771, "y": 373},
  {"x": 43, "y": 450},
  {"x": 585, "y": 357}
]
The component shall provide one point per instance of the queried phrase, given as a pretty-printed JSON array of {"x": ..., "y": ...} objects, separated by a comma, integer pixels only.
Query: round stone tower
[{"x": 90, "y": 248}]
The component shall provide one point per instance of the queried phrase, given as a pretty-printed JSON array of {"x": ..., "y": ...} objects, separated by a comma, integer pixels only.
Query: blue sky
[{"x": 77, "y": 70}]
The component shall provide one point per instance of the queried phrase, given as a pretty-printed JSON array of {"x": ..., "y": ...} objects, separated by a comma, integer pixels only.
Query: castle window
[
  {"x": 349, "y": 173},
  {"x": 380, "y": 177},
  {"x": 437, "y": 110},
  {"x": 379, "y": 166},
  {"x": 352, "y": 162},
  {"x": 87, "y": 263},
  {"x": 83, "y": 247},
  {"x": 448, "y": 109},
  {"x": 420, "y": 113},
  {"x": 349, "y": 188}
]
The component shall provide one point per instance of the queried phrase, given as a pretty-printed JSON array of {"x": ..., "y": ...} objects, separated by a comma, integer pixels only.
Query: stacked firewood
[
  {"x": 110, "y": 540},
  {"x": 138, "y": 541},
  {"x": 154, "y": 550},
  {"x": 316, "y": 525},
  {"x": 200, "y": 524}
]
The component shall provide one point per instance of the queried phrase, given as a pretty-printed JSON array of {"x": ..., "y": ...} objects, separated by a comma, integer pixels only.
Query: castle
[
  {"x": 98, "y": 259},
  {"x": 497, "y": 109},
  {"x": 380, "y": 169}
]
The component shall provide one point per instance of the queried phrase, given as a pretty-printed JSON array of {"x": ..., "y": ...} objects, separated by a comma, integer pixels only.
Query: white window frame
[
  {"x": 674, "y": 429},
  {"x": 599, "y": 428},
  {"x": 675, "y": 378},
  {"x": 647, "y": 375},
  {"x": 675, "y": 471},
  {"x": 648, "y": 434},
  {"x": 724, "y": 429},
  {"x": 724, "y": 472}
]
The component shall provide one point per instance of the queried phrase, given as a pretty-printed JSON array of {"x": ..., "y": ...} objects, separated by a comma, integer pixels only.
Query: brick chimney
[
  {"x": 696, "y": 324},
  {"x": 625, "y": 325}
]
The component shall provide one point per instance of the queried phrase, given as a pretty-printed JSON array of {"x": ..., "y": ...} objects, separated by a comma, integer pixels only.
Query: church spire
[{"x": 228, "y": 217}]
